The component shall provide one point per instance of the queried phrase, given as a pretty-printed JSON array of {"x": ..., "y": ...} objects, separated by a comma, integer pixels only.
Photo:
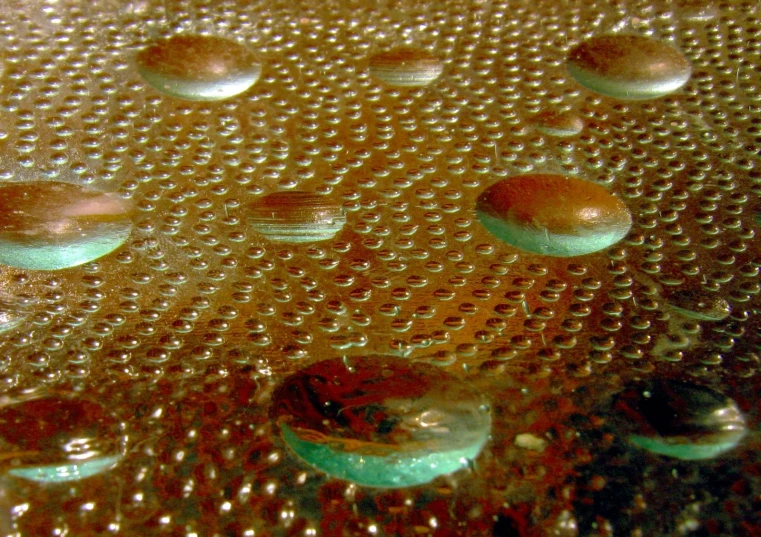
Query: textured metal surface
[{"x": 185, "y": 331}]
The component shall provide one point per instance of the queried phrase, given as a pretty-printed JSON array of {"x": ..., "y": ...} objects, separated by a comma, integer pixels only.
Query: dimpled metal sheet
[{"x": 184, "y": 333}]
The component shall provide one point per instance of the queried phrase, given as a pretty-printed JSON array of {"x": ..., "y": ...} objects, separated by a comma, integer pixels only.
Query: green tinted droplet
[
  {"x": 48, "y": 225},
  {"x": 700, "y": 305},
  {"x": 406, "y": 66},
  {"x": 385, "y": 422},
  {"x": 199, "y": 68},
  {"x": 629, "y": 66},
  {"x": 553, "y": 214},
  {"x": 295, "y": 216},
  {"x": 58, "y": 438},
  {"x": 683, "y": 420}
]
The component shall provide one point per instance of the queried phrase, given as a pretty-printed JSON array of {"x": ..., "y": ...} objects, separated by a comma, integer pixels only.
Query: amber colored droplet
[
  {"x": 49, "y": 225},
  {"x": 553, "y": 214},
  {"x": 199, "y": 68},
  {"x": 406, "y": 66},
  {"x": 629, "y": 66},
  {"x": 296, "y": 216},
  {"x": 558, "y": 123},
  {"x": 59, "y": 438}
]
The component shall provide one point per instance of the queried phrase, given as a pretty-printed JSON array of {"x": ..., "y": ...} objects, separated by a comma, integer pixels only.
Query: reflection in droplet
[
  {"x": 382, "y": 421},
  {"x": 199, "y": 68},
  {"x": 682, "y": 420},
  {"x": 295, "y": 216},
  {"x": 48, "y": 225},
  {"x": 558, "y": 123},
  {"x": 553, "y": 214},
  {"x": 629, "y": 66},
  {"x": 11, "y": 315},
  {"x": 406, "y": 66},
  {"x": 700, "y": 305},
  {"x": 58, "y": 438}
]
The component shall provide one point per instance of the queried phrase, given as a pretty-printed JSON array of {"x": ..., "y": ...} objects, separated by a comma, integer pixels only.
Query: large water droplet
[
  {"x": 58, "y": 438},
  {"x": 700, "y": 305},
  {"x": 629, "y": 66},
  {"x": 296, "y": 216},
  {"x": 558, "y": 123},
  {"x": 406, "y": 66},
  {"x": 11, "y": 315},
  {"x": 553, "y": 214},
  {"x": 682, "y": 420},
  {"x": 382, "y": 421},
  {"x": 48, "y": 225},
  {"x": 199, "y": 68}
]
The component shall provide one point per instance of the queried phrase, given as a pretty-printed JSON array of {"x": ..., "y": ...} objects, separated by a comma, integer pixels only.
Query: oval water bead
[
  {"x": 629, "y": 66},
  {"x": 381, "y": 421},
  {"x": 553, "y": 214},
  {"x": 559, "y": 124},
  {"x": 296, "y": 216},
  {"x": 406, "y": 66},
  {"x": 198, "y": 67},
  {"x": 59, "y": 438},
  {"x": 49, "y": 225},
  {"x": 700, "y": 305},
  {"x": 682, "y": 420}
]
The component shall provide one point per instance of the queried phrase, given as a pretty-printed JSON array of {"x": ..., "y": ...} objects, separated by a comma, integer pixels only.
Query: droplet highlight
[
  {"x": 682, "y": 420},
  {"x": 380, "y": 421},
  {"x": 406, "y": 67},
  {"x": 49, "y": 225},
  {"x": 629, "y": 66},
  {"x": 553, "y": 214},
  {"x": 296, "y": 216},
  {"x": 59, "y": 438},
  {"x": 199, "y": 68}
]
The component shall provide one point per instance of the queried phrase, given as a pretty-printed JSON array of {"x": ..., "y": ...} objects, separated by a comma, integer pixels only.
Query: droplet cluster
[{"x": 549, "y": 204}]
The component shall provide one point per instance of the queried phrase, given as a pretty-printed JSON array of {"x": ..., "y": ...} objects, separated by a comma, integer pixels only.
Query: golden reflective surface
[{"x": 393, "y": 118}]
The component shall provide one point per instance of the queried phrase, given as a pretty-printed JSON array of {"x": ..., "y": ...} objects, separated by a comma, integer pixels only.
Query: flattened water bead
[
  {"x": 553, "y": 214},
  {"x": 296, "y": 216},
  {"x": 199, "y": 68},
  {"x": 558, "y": 123},
  {"x": 682, "y": 420},
  {"x": 58, "y": 438},
  {"x": 406, "y": 66},
  {"x": 382, "y": 421},
  {"x": 48, "y": 225},
  {"x": 629, "y": 66},
  {"x": 700, "y": 305}
]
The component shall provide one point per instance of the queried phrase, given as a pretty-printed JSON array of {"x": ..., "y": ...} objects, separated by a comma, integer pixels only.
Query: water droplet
[
  {"x": 11, "y": 315},
  {"x": 699, "y": 304},
  {"x": 48, "y": 225},
  {"x": 553, "y": 214},
  {"x": 296, "y": 216},
  {"x": 380, "y": 421},
  {"x": 199, "y": 68},
  {"x": 58, "y": 438},
  {"x": 683, "y": 420},
  {"x": 629, "y": 66},
  {"x": 697, "y": 10},
  {"x": 406, "y": 66},
  {"x": 558, "y": 123}
]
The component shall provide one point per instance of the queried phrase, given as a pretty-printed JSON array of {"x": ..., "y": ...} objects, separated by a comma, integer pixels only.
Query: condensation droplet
[
  {"x": 629, "y": 66},
  {"x": 682, "y": 420},
  {"x": 553, "y": 214},
  {"x": 406, "y": 66},
  {"x": 59, "y": 438},
  {"x": 296, "y": 216},
  {"x": 48, "y": 225},
  {"x": 558, "y": 123},
  {"x": 199, "y": 68},
  {"x": 380, "y": 421},
  {"x": 700, "y": 304}
]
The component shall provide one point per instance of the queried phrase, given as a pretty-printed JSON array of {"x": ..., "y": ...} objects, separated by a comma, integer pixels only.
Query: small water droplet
[
  {"x": 553, "y": 214},
  {"x": 296, "y": 216},
  {"x": 629, "y": 66},
  {"x": 48, "y": 225},
  {"x": 58, "y": 438},
  {"x": 383, "y": 421},
  {"x": 406, "y": 66},
  {"x": 199, "y": 68}
]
